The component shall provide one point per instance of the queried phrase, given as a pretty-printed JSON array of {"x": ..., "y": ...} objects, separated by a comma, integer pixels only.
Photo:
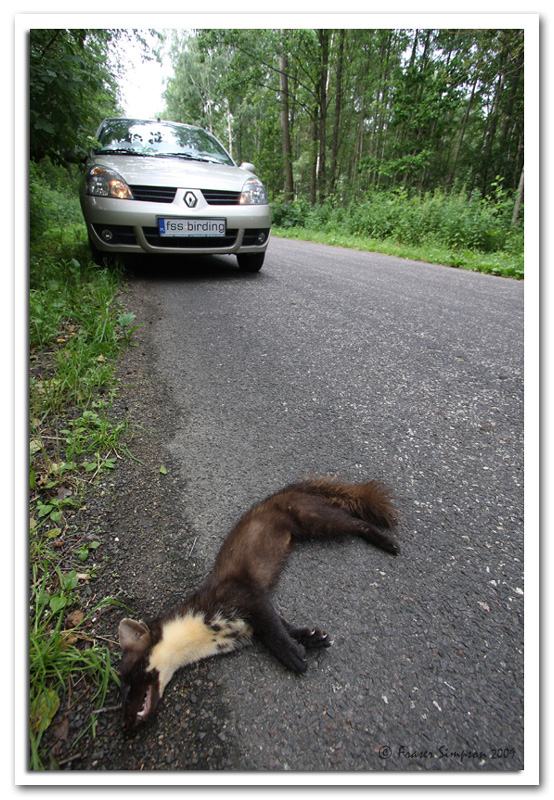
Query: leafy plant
[
  {"x": 470, "y": 232},
  {"x": 77, "y": 328},
  {"x": 126, "y": 324},
  {"x": 55, "y": 657},
  {"x": 85, "y": 549}
]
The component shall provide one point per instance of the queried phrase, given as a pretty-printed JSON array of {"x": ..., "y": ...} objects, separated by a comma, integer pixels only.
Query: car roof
[{"x": 145, "y": 121}]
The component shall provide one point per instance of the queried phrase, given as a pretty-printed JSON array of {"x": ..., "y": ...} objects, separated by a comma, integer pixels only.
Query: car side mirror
[{"x": 247, "y": 165}]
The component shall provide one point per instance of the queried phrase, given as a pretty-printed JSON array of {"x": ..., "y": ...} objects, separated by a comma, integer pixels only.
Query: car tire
[
  {"x": 251, "y": 262},
  {"x": 100, "y": 258}
]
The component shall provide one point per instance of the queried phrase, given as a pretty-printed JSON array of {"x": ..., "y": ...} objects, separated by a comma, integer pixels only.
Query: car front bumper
[{"x": 130, "y": 226}]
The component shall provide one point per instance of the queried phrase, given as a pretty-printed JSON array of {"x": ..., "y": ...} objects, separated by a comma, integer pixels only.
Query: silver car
[{"x": 163, "y": 187}]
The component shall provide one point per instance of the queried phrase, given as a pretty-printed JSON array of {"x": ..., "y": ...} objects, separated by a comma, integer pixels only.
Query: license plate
[{"x": 191, "y": 227}]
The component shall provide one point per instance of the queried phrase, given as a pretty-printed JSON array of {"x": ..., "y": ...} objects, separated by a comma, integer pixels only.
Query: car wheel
[
  {"x": 98, "y": 256},
  {"x": 251, "y": 262}
]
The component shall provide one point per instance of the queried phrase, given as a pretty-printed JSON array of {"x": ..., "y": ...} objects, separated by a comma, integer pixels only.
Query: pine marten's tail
[{"x": 372, "y": 501}]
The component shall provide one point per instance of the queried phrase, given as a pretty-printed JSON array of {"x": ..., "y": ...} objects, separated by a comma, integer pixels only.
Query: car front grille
[
  {"x": 154, "y": 194},
  {"x": 166, "y": 194},
  {"x": 215, "y": 197}
]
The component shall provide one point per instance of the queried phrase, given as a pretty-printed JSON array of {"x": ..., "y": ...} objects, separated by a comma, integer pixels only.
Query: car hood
[{"x": 176, "y": 172}]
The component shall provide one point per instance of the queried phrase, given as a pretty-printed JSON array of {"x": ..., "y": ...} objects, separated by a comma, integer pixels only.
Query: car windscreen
[{"x": 145, "y": 138}]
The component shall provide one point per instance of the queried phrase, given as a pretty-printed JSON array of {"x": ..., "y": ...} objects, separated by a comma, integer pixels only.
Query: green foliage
[
  {"x": 55, "y": 217},
  {"x": 72, "y": 309},
  {"x": 73, "y": 77},
  {"x": 76, "y": 330},
  {"x": 450, "y": 219},
  {"x": 56, "y": 655},
  {"x": 71, "y": 88},
  {"x": 367, "y": 109},
  {"x": 445, "y": 228},
  {"x": 92, "y": 432},
  {"x": 291, "y": 215},
  {"x": 207, "y": 90}
]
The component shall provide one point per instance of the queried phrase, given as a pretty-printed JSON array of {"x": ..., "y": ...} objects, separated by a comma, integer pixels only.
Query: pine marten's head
[{"x": 140, "y": 686}]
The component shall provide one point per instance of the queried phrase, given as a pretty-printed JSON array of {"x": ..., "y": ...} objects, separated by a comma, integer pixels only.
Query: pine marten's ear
[{"x": 134, "y": 636}]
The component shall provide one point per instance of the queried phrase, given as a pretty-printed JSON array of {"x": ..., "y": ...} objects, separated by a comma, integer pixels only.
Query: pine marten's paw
[
  {"x": 294, "y": 657},
  {"x": 311, "y": 637}
]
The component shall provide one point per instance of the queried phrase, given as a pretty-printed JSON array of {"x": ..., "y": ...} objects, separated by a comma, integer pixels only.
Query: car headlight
[
  {"x": 253, "y": 193},
  {"x": 104, "y": 182}
]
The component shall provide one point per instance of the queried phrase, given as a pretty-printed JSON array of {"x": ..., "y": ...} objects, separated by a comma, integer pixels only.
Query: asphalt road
[{"x": 367, "y": 366}]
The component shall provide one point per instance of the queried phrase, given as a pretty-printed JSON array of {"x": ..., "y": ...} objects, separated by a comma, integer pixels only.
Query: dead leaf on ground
[
  {"x": 43, "y": 710},
  {"x": 61, "y": 728},
  {"x": 76, "y": 617}
]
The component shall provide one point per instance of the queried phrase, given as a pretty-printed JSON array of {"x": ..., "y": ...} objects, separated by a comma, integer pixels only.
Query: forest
[
  {"x": 345, "y": 112},
  {"x": 407, "y": 136}
]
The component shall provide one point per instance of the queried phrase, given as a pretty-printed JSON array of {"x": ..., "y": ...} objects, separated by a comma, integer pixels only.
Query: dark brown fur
[{"x": 247, "y": 568}]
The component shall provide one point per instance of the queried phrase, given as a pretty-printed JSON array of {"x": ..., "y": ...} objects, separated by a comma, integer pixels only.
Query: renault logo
[{"x": 190, "y": 199}]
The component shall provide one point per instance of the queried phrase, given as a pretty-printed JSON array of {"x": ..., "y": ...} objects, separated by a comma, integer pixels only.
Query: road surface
[{"x": 333, "y": 361}]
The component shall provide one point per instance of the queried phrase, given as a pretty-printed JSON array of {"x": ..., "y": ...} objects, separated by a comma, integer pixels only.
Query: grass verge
[
  {"x": 502, "y": 263},
  {"x": 77, "y": 328}
]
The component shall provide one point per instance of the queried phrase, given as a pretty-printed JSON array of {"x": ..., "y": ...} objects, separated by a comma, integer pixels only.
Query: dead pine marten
[{"x": 233, "y": 603}]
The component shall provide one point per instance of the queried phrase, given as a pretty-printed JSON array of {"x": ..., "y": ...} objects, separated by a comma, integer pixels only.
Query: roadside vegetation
[
  {"x": 406, "y": 142},
  {"x": 76, "y": 330},
  {"x": 474, "y": 234}
]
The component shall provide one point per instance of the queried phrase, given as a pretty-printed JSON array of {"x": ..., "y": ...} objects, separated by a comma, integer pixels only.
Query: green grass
[
  {"x": 77, "y": 329},
  {"x": 57, "y": 657},
  {"x": 454, "y": 229},
  {"x": 505, "y": 264}
]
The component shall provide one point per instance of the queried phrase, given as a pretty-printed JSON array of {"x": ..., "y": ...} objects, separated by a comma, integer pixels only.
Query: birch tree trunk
[{"x": 285, "y": 126}]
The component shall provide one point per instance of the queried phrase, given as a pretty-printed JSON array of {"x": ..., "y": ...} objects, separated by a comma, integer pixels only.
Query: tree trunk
[
  {"x": 382, "y": 120},
  {"x": 336, "y": 123},
  {"x": 492, "y": 122},
  {"x": 285, "y": 126},
  {"x": 510, "y": 125},
  {"x": 414, "y": 49},
  {"x": 324, "y": 44},
  {"x": 314, "y": 164},
  {"x": 461, "y": 137},
  {"x": 358, "y": 143},
  {"x": 518, "y": 203},
  {"x": 230, "y": 129}
]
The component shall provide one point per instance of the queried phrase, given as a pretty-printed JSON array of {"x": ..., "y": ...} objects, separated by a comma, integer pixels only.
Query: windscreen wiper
[
  {"x": 187, "y": 156},
  {"x": 117, "y": 151}
]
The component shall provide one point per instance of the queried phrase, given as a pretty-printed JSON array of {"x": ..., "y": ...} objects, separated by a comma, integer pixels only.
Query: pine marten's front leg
[
  {"x": 308, "y": 637},
  {"x": 272, "y": 631}
]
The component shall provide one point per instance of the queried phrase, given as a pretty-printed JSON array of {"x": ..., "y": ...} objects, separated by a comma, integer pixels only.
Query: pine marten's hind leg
[
  {"x": 379, "y": 538},
  {"x": 317, "y": 519}
]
